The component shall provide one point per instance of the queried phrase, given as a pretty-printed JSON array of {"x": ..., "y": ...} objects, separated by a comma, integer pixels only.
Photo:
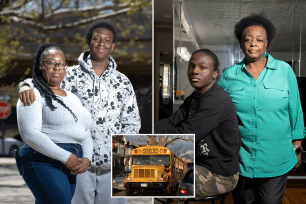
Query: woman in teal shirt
[{"x": 266, "y": 96}]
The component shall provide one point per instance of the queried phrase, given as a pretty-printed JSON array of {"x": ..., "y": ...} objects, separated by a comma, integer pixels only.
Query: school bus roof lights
[{"x": 151, "y": 151}]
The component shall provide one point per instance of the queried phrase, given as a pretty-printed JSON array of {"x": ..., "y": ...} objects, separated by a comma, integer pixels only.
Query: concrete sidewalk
[
  {"x": 13, "y": 188},
  {"x": 7, "y": 161},
  {"x": 15, "y": 191}
]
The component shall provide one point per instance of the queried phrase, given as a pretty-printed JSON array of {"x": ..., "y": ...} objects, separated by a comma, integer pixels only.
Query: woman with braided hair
[{"x": 56, "y": 131}]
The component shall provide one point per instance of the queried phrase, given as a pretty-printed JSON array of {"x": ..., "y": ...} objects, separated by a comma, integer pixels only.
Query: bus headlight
[
  {"x": 160, "y": 179},
  {"x": 128, "y": 178}
]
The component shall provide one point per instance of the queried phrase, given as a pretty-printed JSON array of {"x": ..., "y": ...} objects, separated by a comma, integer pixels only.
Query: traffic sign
[{"x": 5, "y": 110}]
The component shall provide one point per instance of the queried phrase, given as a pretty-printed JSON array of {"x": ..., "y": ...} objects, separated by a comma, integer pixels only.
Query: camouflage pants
[{"x": 210, "y": 184}]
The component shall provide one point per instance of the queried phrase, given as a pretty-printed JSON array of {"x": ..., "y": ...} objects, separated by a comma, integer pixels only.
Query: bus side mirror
[
  {"x": 167, "y": 165},
  {"x": 178, "y": 181}
]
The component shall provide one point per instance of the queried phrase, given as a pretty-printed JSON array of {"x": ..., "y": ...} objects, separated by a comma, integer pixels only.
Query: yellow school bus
[{"x": 153, "y": 168}]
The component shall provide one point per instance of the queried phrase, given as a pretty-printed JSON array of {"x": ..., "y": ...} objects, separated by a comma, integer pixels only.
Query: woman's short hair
[
  {"x": 101, "y": 24},
  {"x": 255, "y": 20},
  {"x": 212, "y": 55}
]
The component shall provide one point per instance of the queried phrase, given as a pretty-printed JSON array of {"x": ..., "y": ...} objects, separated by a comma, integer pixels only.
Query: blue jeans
[{"x": 49, "y": 180}]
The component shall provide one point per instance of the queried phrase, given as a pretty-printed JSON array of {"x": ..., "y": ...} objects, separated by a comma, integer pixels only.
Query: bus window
[
  {"x": 160, "y": 159},
  {"x": 138, "y": 160},
  {"x": 153, "y": 159}
]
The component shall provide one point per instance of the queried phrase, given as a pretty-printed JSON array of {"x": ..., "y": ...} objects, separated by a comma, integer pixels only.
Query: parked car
[
  {"x": 186, "y": 186},
  {"x": 10, "y": 146},
  {"x": 118, "y": 182}
]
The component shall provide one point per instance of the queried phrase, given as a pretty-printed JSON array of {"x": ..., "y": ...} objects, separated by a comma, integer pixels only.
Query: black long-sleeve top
[{"x": 215, "y": 125}]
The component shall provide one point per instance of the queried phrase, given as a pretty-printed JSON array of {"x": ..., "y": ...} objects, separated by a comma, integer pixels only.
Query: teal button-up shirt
[{"x": 270, "y": 117}]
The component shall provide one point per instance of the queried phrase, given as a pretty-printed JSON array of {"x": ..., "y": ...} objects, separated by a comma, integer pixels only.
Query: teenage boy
[{"x": 210, "y": 114}]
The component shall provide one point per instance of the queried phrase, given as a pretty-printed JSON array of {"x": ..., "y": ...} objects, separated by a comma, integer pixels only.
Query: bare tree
[
  {"x": 38, "y": 14},
  {"x": 179, "y": 150},
  {"x": 163, "y": 140},
  {"x": 34, "y": 20}
]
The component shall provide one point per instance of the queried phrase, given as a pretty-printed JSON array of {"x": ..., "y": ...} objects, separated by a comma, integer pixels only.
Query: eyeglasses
[{"x": 52, "y": 65}]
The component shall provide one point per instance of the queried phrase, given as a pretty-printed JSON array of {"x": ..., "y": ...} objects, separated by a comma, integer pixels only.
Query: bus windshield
[{"x": 153, "y": 159}]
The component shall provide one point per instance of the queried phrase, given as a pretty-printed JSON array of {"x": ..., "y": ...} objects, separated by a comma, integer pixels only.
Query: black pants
[{"x": 260, "y": 190}]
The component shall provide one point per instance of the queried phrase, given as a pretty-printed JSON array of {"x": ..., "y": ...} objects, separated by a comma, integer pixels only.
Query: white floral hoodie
[{"x": 109, "y": 98}]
